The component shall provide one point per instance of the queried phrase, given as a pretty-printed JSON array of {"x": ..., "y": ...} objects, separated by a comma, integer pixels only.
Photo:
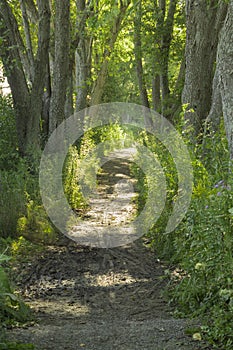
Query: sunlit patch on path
[
  {"x": 112, "y": 206},
  {"x": 101, "y": 299}
]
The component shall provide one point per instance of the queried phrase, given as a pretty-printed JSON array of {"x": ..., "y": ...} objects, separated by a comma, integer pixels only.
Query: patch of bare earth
[{"x": 100, "y": 299}]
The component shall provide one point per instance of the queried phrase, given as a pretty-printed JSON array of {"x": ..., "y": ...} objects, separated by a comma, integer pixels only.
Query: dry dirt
[{"x": 100, "y": 299}]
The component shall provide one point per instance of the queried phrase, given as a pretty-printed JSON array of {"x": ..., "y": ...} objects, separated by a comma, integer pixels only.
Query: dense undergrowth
[
  {"x": 13, "y": 311},
  {"x": 18, "y": 200},
  {"x": 200, "y": 249},
  {"x": 24, "y": 224}
]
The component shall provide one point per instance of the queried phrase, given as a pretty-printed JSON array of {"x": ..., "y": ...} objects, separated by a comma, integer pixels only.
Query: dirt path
[
  {"x": 100, "y": 299},
  {"x": 112, "y": 205}
]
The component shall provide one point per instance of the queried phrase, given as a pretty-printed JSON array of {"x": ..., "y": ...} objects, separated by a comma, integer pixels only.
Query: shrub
[
  {"x": 201, "y": 247},
  {"x": 11, "y": 307},
  {"x": 18, "y": 188},
  {"x": 71, "y": 177},
  {"x": 12, "y": 201},
  {"x": 35, "y": 225},
  {"x": 8, "y": 138}
]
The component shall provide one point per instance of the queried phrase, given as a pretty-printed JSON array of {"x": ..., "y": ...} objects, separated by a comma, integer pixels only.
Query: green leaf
[
  {"x": 230, "y": 211},
  {"x": 4, "y": 258}
]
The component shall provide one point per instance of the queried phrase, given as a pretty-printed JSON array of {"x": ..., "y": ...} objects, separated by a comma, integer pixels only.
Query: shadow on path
[{"x": 100, "y": 299}]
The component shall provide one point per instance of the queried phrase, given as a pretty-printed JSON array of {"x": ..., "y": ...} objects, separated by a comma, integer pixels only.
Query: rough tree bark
[
  {"x": 19, "y": 89},
  {"x": 61, "y": 63},
  {"x": 204, "y": 21},
  {"x": 225, "y": 74},
  {"x": 69, "y": 104},
  {"x": 215, "y": 114},
  {"x": 27, "y": 102},
  {"x": 163, "y": 36},
  {"x": 166, "y": 37},
  {"x": 40, "y": 72},
  {"x": 138, "y": 56},
  {"x": 28, "y": 39},
  {"x": 83, "y": 54}
]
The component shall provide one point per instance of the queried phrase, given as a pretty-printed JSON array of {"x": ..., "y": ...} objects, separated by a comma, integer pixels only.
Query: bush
[
  {"x": 12, "y": 309},
  {"x": 71, "y": 176},
  {"x": 8, "y": 138},
  {"x": 201, "y": 247},
  {"x": 18, "y": 189},
  {"x": 12, "y": 201},
  {"x": 204, "y": 245},
  {"x": 35, "y": 225}
]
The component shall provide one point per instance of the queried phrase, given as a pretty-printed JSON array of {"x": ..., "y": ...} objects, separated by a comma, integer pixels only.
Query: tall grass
[{"x": 201, "y": 247}]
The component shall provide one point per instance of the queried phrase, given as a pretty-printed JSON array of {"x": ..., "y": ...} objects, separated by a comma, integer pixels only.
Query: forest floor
[{"x": 100, "y": 298}]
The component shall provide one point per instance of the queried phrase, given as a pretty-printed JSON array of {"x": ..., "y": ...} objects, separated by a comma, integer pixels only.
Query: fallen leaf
[{"x": 197, "y": 336}]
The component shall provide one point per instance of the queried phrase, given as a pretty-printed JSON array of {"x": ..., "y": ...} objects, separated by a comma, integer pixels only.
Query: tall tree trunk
[
  {"x": 180, "y": 80},
  {"x": 225, "y": 74},
  {"x": 27, "y": 103},
  {"x": 166, "y": 37},
  {"x": 214, "y": 116},
  {"x": 46, "y": 104},
  {"x": 69, "y": 104},
  {"x": 83, "y": 72},
  {"x": 176, "y": 106},
  {"x": 203, "y": 21},
  {"x": 14, "y": 71},
  {"x": 32, "y": 11},
  {"x": 163, "y": 36},
  {"x": 61, "y": 63},
  {"x": 28, "y": 39},
  {"x": 156, "y": 98},
  {"x": 40, "y": 72},
  {"x": 138, "y": 56},
  {"x": 82, "y": 56},
  {"x": 19, "y": 89}
]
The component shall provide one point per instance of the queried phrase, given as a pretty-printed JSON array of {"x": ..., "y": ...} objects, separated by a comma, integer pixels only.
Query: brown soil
[{"x": 100, "y": 299}]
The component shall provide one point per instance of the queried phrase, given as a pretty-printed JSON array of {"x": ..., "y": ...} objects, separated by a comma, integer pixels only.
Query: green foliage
[
  {"x": 20, "y": 207},
  {"x": 120, "y": 84},
  {"x": 214, "y": 153},
  {"x": 11, "y": 307},
  {"x": 16, "y": 174},
  {"x": 115, "y": 137},
  {"x": 95, "y": 144},
  {"x": 8, "y": 138},
  {"x": 12, "y": 200},
  {"x": 202, "y": 245},
  {"x": 17, "y": 187},
  {"x": 71, "y": 174},
  {"x": 164, "y": 158},
  {"x": 12, "y": 171},
  {"x": 22, "y": 250},
  {"x": 88, "y": 142},
  {"x": 34, "y": 225}
]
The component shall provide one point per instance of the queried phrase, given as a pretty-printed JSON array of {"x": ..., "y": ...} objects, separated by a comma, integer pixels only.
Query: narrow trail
[
  {"x": 100, "y": 299},
  {"x": 112, "y": 205}
]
